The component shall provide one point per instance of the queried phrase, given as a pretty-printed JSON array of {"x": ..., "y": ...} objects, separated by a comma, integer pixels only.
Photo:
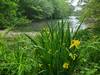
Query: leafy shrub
[
  {"x": 16, "y": 57},
  {"x": 89, "y": 55},
  {"x": 9, "y": 15}
]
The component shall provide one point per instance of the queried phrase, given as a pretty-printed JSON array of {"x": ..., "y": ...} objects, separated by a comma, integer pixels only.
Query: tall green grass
[
  {"x": 16, "y": 56},
  {"x": 51, "y": 52},
  {"x": 52, "y": 49}
]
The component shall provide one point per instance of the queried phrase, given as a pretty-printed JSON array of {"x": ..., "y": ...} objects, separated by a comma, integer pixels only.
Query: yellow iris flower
[
  {"x": 65, "y": 65},
  {"x": 75, "y": 43}
]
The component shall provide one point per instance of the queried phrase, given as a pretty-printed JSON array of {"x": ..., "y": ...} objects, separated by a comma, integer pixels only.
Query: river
[
  {"x": 73, "y": 21},
  {"x": 37, "y": 26}
]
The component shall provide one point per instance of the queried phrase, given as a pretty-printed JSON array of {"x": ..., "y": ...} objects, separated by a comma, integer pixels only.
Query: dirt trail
[{"x": 14, "y": 34}]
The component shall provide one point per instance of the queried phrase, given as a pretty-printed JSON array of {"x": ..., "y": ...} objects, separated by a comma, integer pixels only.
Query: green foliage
[
  {"x": 90, "y": 63},
  {"x": 48, "y": 51},
  {"x": 92, "y": 12},
  {"x": 8, "y": 14},
  {"x": 22, "y": 57},
  {"x": 53, "y": 48},
  {"x": 61, "y": 8},
  {"x": 13, "y": 12},
  {"x": 16, "y": 56},
  {"x": 89, "y": 53}
]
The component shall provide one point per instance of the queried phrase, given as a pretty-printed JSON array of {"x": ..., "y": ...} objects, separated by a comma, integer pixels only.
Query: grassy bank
[{"x": 55, "y": 51}]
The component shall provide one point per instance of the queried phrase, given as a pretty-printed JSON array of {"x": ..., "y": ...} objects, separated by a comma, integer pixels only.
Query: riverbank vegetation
[
  {"x": 91, "y": 10},
  {"x": 56, "y": 49},
  {"x": 22, "y": 12}
]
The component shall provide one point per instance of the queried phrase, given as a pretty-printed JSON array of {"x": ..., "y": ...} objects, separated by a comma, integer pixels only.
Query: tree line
[{"x": 21, "y": 12}]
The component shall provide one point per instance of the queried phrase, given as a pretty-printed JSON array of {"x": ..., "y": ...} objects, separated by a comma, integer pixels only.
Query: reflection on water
[
  {"x": 36, "y": 26},
  {"x": 75, "y": 23}
]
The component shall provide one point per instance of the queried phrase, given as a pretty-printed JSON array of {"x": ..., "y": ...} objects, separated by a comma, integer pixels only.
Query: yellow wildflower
[
  {"x": 65, "y": 65},
  {"x": 75, "y": 43}
]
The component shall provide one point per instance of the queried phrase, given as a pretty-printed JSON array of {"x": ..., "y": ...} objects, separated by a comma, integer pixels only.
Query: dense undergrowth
[{"x": 55, "y": 51}]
